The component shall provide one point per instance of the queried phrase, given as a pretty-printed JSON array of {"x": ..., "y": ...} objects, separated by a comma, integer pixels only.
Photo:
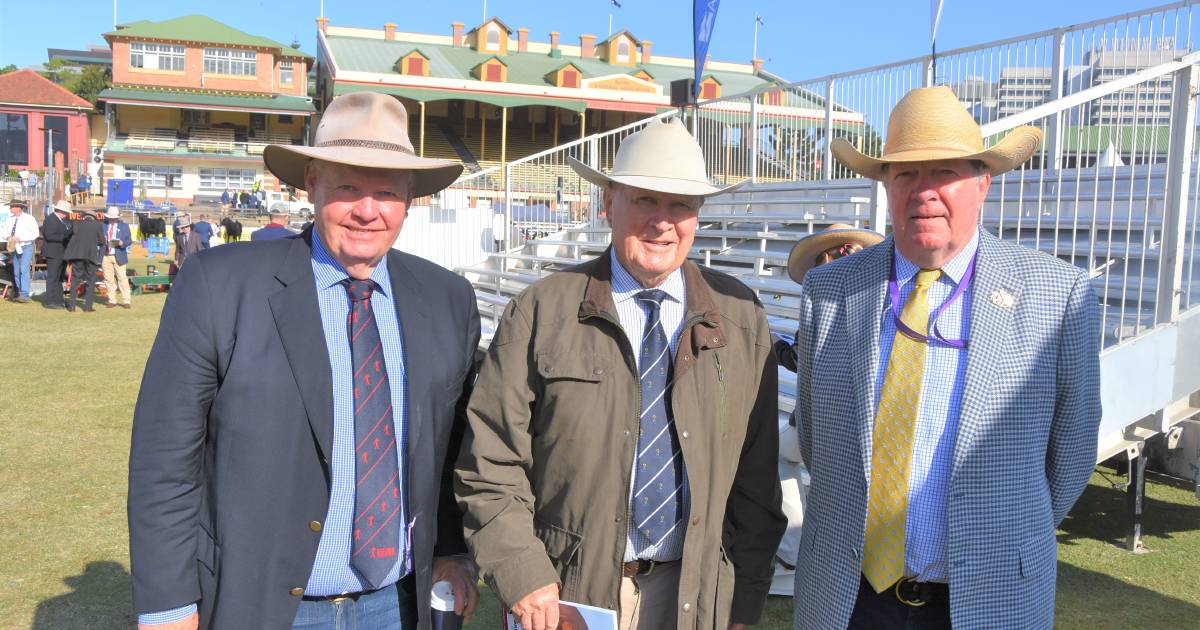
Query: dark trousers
[
  {"x": 83, "y": 272},
  {"x": 884, "y": 611},
  {"x": 55, "y": 270}
]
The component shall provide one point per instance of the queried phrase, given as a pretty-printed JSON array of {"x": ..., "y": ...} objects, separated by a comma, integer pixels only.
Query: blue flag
[{"x": 704, "y": 17}]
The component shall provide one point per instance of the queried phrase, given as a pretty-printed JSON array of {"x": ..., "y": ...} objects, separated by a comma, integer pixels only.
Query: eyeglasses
[{"x": 833, "y": 253}]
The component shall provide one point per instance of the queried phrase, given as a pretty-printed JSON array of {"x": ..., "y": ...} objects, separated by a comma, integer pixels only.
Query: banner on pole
[{"x": 704, "y": 16}]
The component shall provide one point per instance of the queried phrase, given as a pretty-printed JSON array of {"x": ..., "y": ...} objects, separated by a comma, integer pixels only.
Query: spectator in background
[
  {"x": 187, "y": 244},
  {"x": 204, "y": 231},
  {"x": 225, "y": 200},
  {"x": 83, "y": 252},
  {"x": 244, "y": 200},
  {"x": 116, "y": 256},
  {"x": 20, "y": 231},
  {"x": 277, "y": 228},
  {"x": 56, "y": 230}
]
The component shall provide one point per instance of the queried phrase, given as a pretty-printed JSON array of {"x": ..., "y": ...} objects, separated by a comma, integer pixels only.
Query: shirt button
[
  {"x": 617, "y": 519},
  {"x": 598, "y": 371},
  {"x": 687, "y": 607},
  {"x": 695, "y": 520},
  {"x": 315, "y": 526},
  {"x": 297, "y": 592},
  {"x": 684, "y": 435}
]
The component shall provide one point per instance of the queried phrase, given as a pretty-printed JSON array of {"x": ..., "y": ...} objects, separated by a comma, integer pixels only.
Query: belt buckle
[
  {"x": 915, "y": 602},
  {"x": 650, "y": 564}
]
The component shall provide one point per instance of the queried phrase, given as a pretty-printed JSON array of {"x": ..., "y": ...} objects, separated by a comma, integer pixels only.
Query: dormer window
[
  {"x": 623, "y": 50},
  {"x": 493, "y": 38},
  {"x": 570, "y": 79}
]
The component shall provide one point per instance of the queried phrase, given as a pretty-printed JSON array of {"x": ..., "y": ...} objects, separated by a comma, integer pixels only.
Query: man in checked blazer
[{"x": 943, "y": 454}]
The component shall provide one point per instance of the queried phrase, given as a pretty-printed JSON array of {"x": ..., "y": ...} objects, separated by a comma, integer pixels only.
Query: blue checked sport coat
[{"x": 1026, "y": 441}]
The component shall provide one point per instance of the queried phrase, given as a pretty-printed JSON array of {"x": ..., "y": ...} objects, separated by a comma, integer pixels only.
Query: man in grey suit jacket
[
  {"x": 291, "y": 438},
  {"x": 948, "y": 398}
]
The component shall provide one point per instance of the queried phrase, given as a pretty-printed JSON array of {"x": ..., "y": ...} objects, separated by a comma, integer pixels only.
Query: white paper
[{"x": 572, "y": 616}]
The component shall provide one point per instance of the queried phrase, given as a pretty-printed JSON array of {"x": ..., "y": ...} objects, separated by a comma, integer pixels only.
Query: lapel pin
[{"x": 1003, "y": 299}]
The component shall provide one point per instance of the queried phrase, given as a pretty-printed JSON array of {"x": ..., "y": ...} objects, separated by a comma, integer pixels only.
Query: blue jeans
[
  {"x": 388, "y": 608},
  {"x": 21, "y": 267}
]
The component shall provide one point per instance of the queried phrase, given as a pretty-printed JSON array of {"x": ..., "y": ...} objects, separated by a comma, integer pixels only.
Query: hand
[
  {"x": 539, "y": 609},
  {"x": 191, "y": 622},
  {"x": 463, "y": 576}
]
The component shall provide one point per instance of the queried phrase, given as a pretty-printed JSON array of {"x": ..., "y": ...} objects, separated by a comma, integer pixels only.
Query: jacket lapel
[
  {"x": 988, "y": 336},
  {"x": 863, "y": 306},
  {"x": 417, "y": 332},
  {"x": 298, "y": 321}
]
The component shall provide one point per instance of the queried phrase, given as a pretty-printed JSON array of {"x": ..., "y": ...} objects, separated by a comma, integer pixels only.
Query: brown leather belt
[{"x": 641, "y": 567}]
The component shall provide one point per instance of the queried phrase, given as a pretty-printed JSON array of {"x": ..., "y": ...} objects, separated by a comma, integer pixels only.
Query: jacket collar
[{"x": 598, "y": 300}]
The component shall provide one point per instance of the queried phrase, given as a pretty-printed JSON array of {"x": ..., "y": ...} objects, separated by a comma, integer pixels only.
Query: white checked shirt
[
  {"x": 633, "y": 322},
  {"x": 926, "y": 546}
]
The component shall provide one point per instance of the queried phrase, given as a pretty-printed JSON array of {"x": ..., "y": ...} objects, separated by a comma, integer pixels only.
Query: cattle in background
[
  {"x": 149, "y": 226},
  {"x": 231, "y": 230}
]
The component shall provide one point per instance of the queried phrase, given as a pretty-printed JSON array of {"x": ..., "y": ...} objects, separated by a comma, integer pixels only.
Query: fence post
[
  {"x": 879, "y": 208},
  {"x": 1175, "y": 204},
  {"x": 753, "y": 139},
  {"x": 1054, "y": 140},
  {"x": 827, "y": 152},
  {"x": 593, "y": 158},
  {"x": 508, "y": 215}
]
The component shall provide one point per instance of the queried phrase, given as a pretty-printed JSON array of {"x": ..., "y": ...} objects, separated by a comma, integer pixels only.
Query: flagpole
[
  {"x": 610, "y": 23},
  {"x": 322, "y": 8},
  {"x": 484, "y": 11},
  {"x": 755, "y": 55}
]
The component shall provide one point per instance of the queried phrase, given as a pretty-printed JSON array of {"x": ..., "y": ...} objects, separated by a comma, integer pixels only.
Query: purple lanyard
[{"x": 959, "y": 290}]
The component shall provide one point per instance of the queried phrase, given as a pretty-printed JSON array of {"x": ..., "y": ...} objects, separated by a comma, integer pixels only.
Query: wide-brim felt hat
[
  {"x": 805, "y": 252},
  {"x": 19, "y": 203},
  {"x": 932, "y": 124},
  {"x": 367, "y": 130},
  {"x": 662, "y": 157}
]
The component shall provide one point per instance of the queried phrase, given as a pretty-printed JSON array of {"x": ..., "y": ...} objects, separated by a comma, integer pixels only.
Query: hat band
[{"x": 366, "y": 144}]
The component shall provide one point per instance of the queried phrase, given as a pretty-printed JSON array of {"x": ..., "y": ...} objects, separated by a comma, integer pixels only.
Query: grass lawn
[{"x": 65, "y": 409}]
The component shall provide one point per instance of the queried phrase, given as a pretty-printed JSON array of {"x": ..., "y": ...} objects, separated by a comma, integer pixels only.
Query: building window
[
  {"x": 570, "y": 79},
  {"x": 415, "y": 66},
  {"x": 226, "y": 61},
  {"x": 623, "y": 50},
  {"x": 493, "y": 37},
  {"x": 194, "y": 118},
  {"x": 443, "y": 215},
  {"x": 222, "y": 178},
  {"x": 285, "y": 119},
  {"x": 154, "y": 176},
  {"x": 285, "y": 72},
  {"x": 493, "y": 72},
  {"x": 156, "y": 56},
  {"x": 708, "y": 90},
  {"x": 14, "y": 139}
]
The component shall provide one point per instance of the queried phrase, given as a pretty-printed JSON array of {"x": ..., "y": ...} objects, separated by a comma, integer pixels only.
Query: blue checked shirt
[
  {"x": 633, "y": 322},
  {"x": 937, "y": 415},
  {"x": 331, "y": 572}
]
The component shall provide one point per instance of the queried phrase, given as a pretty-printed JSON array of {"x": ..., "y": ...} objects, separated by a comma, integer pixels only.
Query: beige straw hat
[
  {"x": 662, "y": 157},
  {"x": 931, "y": 124},
  {"x": 806, "y": 251},
  {"x": 62, "y": 205},
  {"x": 363, "y": 129}
]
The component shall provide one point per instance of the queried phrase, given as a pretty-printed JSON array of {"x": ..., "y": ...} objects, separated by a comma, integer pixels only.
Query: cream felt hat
[
  {"x": 364, "y": 129},
  {"x": 662, "y": 157},
  {"x": 931, "y": 124},
  {"x": 804, "y": 254},
  {"x": 62, "y": 205}
]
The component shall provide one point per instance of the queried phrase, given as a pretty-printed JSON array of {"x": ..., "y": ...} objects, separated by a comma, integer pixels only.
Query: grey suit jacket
[
  {"x": 1026, "y": 441},
  {"x": 233, "y": 431}
]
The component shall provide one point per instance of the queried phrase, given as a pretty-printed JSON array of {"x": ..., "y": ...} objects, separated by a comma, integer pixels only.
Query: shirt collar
[
  {"x": 625, "y": 286},
  {"x": 953, "y": 270},
  {"x": 329, "y": 271}
]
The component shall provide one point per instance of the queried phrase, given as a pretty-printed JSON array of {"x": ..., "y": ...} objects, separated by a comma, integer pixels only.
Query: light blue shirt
[
  {"x": 332, "y": 573},
  {"x": 926, "y": 555},
  {"x": 633, "y": 321}
]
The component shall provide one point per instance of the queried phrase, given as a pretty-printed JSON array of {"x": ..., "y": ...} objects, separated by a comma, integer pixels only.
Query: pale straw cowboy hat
[
  {"x": 662, "y": 157},
  {"x": 113, "y": 212},
  {"x": 363, "y": 129},
  {"x": 62, "y": 205},
  {"x": 806, "y": 253},
  {"x": 931, "y": 124}
]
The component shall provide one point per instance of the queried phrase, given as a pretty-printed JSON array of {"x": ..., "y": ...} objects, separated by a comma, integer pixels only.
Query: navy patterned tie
[
  {"x": 657, "y": 497},
  {"x": 377, "y": 517}
]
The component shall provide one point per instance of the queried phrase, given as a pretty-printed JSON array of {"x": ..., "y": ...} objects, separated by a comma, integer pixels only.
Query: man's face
[
  {"x": 934, "y": 207},
  {"x": 16, "y": 210},
  {"x": 652, "y": 232},
  {"x": 359, "y": 212}
]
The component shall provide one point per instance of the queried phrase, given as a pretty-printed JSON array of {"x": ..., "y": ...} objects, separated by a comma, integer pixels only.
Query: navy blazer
[
  {"x": 125, "y": 236},
  {"x": 232, "y": 434}
]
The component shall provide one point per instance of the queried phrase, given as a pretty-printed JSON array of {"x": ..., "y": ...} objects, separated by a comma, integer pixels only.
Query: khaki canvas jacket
[{"x": 544, "y": 473}]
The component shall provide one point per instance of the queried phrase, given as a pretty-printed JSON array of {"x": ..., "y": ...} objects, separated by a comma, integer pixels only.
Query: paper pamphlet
[{"x": 572, "y": 616}]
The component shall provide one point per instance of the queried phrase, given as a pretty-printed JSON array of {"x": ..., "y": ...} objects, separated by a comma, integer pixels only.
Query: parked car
[{"x": 286, "y": 202}]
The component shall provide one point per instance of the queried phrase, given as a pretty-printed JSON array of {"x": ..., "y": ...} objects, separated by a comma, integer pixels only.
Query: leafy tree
[
  {"x": 59, "y": 70},
  {"x": 9, "y": 68},
  {"x": 90, "y": 83}
]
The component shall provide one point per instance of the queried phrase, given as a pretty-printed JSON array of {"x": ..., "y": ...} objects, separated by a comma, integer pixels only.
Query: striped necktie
[
  {"x": 377, "y": 504},
  {"x": 891, "y": 453},
  {"x": 657, "y": 498}
]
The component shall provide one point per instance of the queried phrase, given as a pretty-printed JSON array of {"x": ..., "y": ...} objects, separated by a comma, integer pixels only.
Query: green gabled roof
[
  {"x": 637, "y": 70},
  {"x": 619, "y": 33},
  {"x": 496, "y": 20},
  {"x": 278, "y": 103},
  {"x": 203, "y": 29},
  {"x": 710, "y": 75},
  {"x": 415, "y": 50},
  {"x": 487, "y": 59},
  {"x": 530, "y": 68}
]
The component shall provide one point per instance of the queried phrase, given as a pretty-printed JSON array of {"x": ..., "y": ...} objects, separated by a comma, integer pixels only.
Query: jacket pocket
[
  {"x": 1035, "y": 561},
  {"x": 570, "y": 366},
  {"x": 562, "y": 547}
]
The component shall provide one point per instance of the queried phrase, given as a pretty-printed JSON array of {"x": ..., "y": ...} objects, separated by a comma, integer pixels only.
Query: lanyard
[{"x": 959, "y": 290}]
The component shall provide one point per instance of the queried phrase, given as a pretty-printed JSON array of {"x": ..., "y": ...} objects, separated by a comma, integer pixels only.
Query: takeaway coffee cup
[{"x": 442, "y": 603}]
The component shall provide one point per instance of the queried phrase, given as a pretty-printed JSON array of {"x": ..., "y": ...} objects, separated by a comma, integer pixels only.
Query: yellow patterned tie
[{"x": 891, "y": 453}]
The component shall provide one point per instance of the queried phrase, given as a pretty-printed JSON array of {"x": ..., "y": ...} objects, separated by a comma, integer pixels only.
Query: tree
[
  {"x": 90, "y": 82},
  {"x": 9, "y": 68}
]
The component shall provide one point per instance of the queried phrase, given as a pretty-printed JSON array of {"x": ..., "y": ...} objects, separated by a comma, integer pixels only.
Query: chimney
[
  {"x": 553, "y": 40},
  {"x": 646, "y": 50},
  {"x": 522, "y": 39},
  {"x": 587, "y": 46},
  {"x": 456, "y": 33},
  {"x": 322, "y": 22},
  {"x": 757, "y": 63},
  {"x": 389, "y": 31}
]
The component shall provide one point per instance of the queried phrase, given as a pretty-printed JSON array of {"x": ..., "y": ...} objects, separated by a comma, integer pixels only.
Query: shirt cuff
[{"x": 166, "y": 616}]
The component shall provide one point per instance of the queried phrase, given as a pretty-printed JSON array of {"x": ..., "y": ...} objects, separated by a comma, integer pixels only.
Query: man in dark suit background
[
  {"x": 83, "y": 252},
  {"x": 56, "y": 230},
  {"x": 288, "y": 463}
]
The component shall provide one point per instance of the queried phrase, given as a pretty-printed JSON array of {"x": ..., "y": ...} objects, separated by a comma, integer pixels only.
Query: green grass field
[{"x": 70, "y": 381}]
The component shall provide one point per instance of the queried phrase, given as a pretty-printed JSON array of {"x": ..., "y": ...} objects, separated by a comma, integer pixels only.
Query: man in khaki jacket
[{"x": 622, "y": 439}]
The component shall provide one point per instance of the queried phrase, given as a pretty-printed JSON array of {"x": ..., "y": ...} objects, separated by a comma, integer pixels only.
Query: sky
[{"x": 800, "y": 39}]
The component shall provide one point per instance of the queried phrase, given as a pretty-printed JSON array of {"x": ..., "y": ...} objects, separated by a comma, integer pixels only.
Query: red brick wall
[{"x": 266, "y": 79}]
